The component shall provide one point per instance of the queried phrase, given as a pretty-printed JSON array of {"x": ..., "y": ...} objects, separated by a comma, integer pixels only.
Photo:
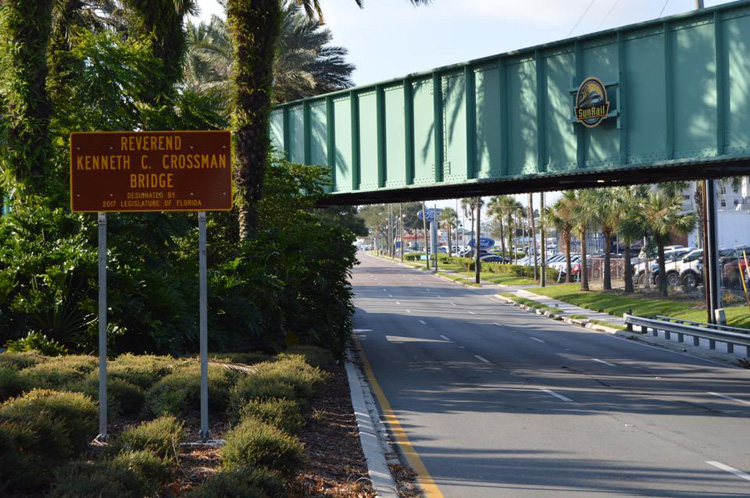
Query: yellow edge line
[{"x": 425, "y": 479}]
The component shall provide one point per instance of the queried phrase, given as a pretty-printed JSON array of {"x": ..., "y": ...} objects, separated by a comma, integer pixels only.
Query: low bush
[
  {"x": 260, "y": 483},
  {"x": 19, "y": 361},
  {"x": 40, "y": 431},
  {"x": 258, "y": 387},
  {"x": 161, "y": 437},
  {"x": 141, "y": 370},
  {"x": 131, "y": 474},
  {"x": 179, "y": 392},
  {"x": 243, "y": 358},
  {"x": 255, "y": 444},
  {"x": 287, "y": 415},
  {"x": 12, "y": 383},
  {"x": 293, "y": 370},
  {"x": 314, "y": 355},
  {"x": 61, "y": 372},
  {"x": 123, "y": 397},
  {"x": 38, "y": 343}
]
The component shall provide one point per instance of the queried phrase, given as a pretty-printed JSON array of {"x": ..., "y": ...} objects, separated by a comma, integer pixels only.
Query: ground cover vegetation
[
  {"x": 48, "y": 421},
  {"x": 133, "y": 65}
]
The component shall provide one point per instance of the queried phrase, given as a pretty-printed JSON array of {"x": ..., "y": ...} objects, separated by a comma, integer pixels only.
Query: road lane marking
[
  {"x": 385, "y": 290},
  {"x": 537, "y": 340},
  {"x": 398, "y": 303},
  {"x": 362, "y": 330},
  {"x": 602, "y": 361},
  {"x": 390, "y": 295},
  {"x": 730, "y": 398},
  {"x": 485, "y": 360},
  {"x": 423, "y": 322},
  {"x": 558, "y": 396},
  {"x": 428, "y": 290},
  {"x": 446, "y": 338},
  {"x": 471, "y": 313},
  {"x": 408, "y": 311},
  {"x": 441, "y": 297},
  {"x": 425, "y": 479},
  {"x": 729, "y": 469},
  {"x": 454, "y": 304}
]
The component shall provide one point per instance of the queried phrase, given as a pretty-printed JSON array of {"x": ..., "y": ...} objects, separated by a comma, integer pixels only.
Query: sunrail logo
[{"x": 592, "y": 103}]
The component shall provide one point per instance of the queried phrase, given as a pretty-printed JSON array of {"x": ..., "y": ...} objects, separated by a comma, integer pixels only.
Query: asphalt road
[{"x": 498, "y": 402}]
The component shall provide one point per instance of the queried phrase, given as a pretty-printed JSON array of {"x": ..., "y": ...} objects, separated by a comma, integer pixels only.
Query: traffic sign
[
  {"x": 150, "y": 171},
  {"x": 433, "y": 214}
]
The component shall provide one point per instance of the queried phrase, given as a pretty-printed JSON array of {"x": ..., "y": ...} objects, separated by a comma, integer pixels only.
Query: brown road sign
[{"x": 150, "y": 171}]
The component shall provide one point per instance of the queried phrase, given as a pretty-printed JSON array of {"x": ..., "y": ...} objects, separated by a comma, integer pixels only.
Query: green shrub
[
  {"x": 61, "y": 372},
  {"x": 179, "y": 392},
  {"x": 243, "y": 358},
  {"x": 12, "y": 383},
  {"x": 149, "y": 467},
  {"x": 293, "y": 370},
  {"x": 40, "y": 431},
  {"x": 123, "y": 398},
  {"x": 37, "y": 342},
  {"x": 258, "y": 386},
  {"x": 260, "y": 483},
  {"x": 314, "y": 355},
  {"x": 131, "y": 474},
  {"x": 141, "y": 370},
  {"x": 285, "y": 414},
  {"x": 19, "y": 361},
  {"x": 161, "y": 437},
  {"x": 256, "y": 444}
]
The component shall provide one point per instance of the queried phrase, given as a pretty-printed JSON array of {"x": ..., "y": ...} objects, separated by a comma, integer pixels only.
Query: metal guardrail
[
  {"x": 731, "y": 339},
  {"x": 712, "y": 326}
]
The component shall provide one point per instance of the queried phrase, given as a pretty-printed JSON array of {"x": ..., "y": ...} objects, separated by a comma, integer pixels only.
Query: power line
[
  {"x": 662, "y": 9},
  {"x": 608, "y": 13},
  {"x": 580, "y": 18}
]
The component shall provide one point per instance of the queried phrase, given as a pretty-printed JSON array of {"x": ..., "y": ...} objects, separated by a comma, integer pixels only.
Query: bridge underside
[{"x": 670, "y": 100}]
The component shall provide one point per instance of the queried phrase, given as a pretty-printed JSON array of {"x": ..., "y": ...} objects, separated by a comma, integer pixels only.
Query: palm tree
[
  {"x": 663, "y": 215},
  {"x": 495, "y": 208},
  {"x": 585, "y": 218},
  {"x": 255, "y": 29},
  {"x": 561, "y": 216},
  {"x": 449, "y": 219},
  {"x": 608, "y": 215},
  {"x": 632, "y": 225}
]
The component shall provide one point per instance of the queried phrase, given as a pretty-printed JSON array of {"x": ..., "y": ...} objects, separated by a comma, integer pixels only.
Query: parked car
[
  {"x": 671, "y": 254},
  {"x": 491, "y": 258}
]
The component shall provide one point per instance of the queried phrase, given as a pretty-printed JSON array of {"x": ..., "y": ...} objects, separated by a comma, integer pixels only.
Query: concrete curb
[{"x": 372, "y": 433}]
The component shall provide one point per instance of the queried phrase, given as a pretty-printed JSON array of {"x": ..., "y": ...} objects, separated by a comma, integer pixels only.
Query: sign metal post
[
  {"x": 203, "y": 323},
  {"x": 103, "y": 432}
]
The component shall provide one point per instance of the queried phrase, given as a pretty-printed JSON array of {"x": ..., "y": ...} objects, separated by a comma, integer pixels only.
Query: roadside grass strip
[
  {"x": 425, "y": 479},
  {"x": 616, "y": 304}
]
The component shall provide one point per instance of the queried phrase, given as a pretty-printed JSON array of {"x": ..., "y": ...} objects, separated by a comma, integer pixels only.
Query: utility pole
[
  {"x": 401, "y": 230},
  {"x": 424, "y": 229},
  {"x": 533, "y": 235},
  {"x": 544, "y": 241},
  {"x": 477, "y": 262}
]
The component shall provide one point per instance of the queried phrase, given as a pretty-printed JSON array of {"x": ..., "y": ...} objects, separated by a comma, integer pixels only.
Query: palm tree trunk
[
  {"x": 607, "y": 260},
  {"x": 584, "y": 266},
  {"x": 628, "y": 268},
  {"x": 256, "y": 25},
  {"x": 449, "y": 240},
  {"x": 662, "y": 271},
  {"x": 28, "y": 26},
  {"x": 568, "y": 266},
  {"x": 510, "y": 238},
  {"x": 502, "y": 237}
]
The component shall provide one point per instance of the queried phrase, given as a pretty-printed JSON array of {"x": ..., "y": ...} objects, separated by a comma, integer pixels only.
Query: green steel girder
[{"x": 679, "y": 92}]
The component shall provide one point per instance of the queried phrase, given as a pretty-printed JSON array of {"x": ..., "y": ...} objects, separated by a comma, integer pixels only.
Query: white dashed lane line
[
  {"x": 445, "y": 338},
  {"x": 423, "y": 322},
  {"x": 731, "y": 470},
  {"x": 485, "y": 360},
  {"x": 558, "y": 396},
  {"x": 537, "y": 340},
  {"x": 731, "y": 398},
  {"x": 602, "y": 361}
]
